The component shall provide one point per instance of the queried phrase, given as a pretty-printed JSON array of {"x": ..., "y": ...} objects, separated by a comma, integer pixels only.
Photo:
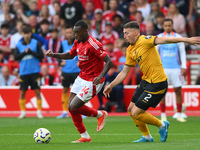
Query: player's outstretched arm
[
  {"x": 66, "y": 55},
  {"x": 165, "y": 40},
  {"x": 106, "y": 68},
  {"x": 120, "y": 78}
]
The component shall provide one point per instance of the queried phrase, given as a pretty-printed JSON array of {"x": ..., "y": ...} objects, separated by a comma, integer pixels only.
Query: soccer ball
[{"x": 42, "y": 135}]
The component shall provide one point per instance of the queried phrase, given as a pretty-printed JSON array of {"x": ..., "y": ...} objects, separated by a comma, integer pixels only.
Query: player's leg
[
  {"x": 177, "y": 82},
  {"x": 35, "y": 85},
  {"x": 139, "y": 124},
  {"x": 151, "y": 96},
  {"x": 179, "y": 102},
  {"x": 146, "y": 136},
  {"x": 22, "y": 101},
  {"x": 66, "y": 81},
  {"x": 84, "y": 92},
  {"x": 162, "y": 109}
]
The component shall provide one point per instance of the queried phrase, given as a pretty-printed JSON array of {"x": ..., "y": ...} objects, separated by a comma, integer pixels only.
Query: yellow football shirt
[{"x": 145, "y": 54}]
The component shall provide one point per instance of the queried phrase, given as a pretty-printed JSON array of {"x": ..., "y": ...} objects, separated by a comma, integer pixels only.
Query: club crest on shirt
[{"x": 148, "y": 37}]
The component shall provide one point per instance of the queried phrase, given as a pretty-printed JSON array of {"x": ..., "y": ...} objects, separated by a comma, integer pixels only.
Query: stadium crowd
[{"x": 105, "y": 19}]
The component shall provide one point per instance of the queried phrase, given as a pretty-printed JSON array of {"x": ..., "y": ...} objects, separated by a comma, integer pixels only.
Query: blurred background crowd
[{"x": 105, "y": 18}]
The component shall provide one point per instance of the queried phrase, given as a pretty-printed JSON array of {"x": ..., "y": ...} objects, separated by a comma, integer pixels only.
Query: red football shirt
[{"x": 90, "y": 55}]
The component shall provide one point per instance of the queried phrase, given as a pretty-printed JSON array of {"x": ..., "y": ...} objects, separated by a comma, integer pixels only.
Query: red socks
[
  {"x": 77, "y": 119},
  {"x": 162, "y": 107},
  {"x": 179, "y": 107}
]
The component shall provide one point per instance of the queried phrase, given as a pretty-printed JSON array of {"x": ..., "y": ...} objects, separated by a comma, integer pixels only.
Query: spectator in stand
[
  {"x": 33, "y": 9},
  {"x": 54, "y": 44},
  {"x": 109, "y": 14},
  {"x": 57, "y": 7},
  {"x": 98, "y": 23},
  {"x": 186, "y": 8},
  {"x": 70, "y": 69},
  {"x": 44, "y": 29},
  {"x": 17, "y": 36},
  {"x": 6, "y": 78},
  {"x": 150, "y": 30},
  {"x": 89, "y": 10},
  {"x": 132, "y": 10},
  {"x": 114, "y": 55},
  {"x": 92, "y": 32},
  {"x": 44, "y": 14},
  {"x": 29, "y": 53},
  {"x": 45, "y": 78},
  {"x": 15, "y": 72},
  {"x": 155, "y": 9},
  {"x": 163, "y": 7},
  {"x": 52, "y": 11},
  {"x": 5, "y": 40},
  {"x": 56, "y": 24},
  {"x": 57, "y": 77},
  {"x": 144, "y": 7},
  {"x": 159, "y": 22},
  {"x": 72, "y": 11},
  {"x": 118, "y": 25},
  {"x": 179, "y": 23},
  {"x": 139, "y": 19},
  {"x": 118, "y": 44},
  {"x": 6, "y": 15},
  {"x": 123, "y": 7},
  {"x": 109, "y": 34},
  {"x": 2, "y": 59}
]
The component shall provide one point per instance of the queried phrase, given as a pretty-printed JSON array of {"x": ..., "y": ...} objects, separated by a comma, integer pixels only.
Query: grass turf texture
[{"x": 118, "y": 134}]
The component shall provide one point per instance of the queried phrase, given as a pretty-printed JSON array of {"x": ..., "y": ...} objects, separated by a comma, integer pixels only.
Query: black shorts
[
  {"x": 149, "y": 94},
  {"x": 31, "y": 79},
  {"x": 68, "y": 78}
]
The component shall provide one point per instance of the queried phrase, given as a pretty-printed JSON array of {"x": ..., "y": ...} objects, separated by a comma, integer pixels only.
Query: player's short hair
[
  {"x": 167, "y": 19},
  {"x": 26, "y": 29},
  {"x": 132, "y": 24},
  {"x": 81, "y": 23}
]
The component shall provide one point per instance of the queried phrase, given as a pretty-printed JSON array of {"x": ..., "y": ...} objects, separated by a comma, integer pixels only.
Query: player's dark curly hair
[{"x": 132, "y": 24}]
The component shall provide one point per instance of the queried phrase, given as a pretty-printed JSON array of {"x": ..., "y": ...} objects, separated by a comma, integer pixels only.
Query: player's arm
[
  {"x": 39, "y": 54},
  {"x": 120, "y": 78},
  {"x": 165, "y": 40},
  {"x": 66, "y": 55},
  {"x": 183, "y": 57},
  {"x": 18, "y": 55},
  {"x": 106, "y": 68}
]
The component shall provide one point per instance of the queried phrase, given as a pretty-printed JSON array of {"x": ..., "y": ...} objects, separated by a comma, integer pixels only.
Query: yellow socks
[
  {"x": 39, "y": 104},
  {"x": 148, "y": 119},
  {"x": 22, "y": 103},
  {"x": 65, "y": 101},
  {"x": 141, "y": 126}
]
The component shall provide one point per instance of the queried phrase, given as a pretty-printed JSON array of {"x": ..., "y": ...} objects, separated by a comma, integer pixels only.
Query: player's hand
[
  {"x": 97, "y": 80},
  {"x": 194, "y": 41},
  {"x": 107, "y": 90},
  {"x": 49, "y": 53},
  {"x": 26, "y": 51},
  {"x": 183, "y": 71}
]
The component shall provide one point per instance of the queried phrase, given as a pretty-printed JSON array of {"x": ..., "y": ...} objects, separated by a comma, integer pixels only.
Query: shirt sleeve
[
  {"x": 99, "y": 51},
  {"x": 148, "y": 41},
  {"x": 73, "y": 49}
]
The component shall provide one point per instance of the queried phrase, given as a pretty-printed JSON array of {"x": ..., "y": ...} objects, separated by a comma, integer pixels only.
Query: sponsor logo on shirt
[{"x": 83, "y": 58}]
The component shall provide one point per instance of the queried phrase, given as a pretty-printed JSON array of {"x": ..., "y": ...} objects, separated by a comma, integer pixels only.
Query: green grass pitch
[{"x": 118, "y": 134}]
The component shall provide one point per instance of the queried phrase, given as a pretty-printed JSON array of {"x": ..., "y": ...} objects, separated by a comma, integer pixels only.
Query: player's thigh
[
  {"x": 35, "y": 81},
  {"x": 138, "y": 91},
  {"x": 24, "y": 82},
  {"x": 168, "y": 73},
  {"x": 177, "y": 78},
  {"x": 85, "y": 90},
  {"x": 152, "y": 95}
]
